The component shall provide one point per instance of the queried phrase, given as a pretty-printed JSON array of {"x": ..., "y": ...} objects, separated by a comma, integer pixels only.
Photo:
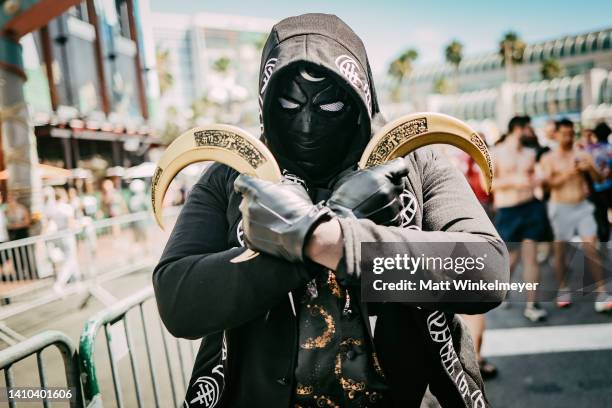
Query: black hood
[{"x": 327, "y": 43}]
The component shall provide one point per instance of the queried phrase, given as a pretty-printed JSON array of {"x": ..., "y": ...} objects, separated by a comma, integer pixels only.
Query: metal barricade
[
  {"x": 35, "y": 346},
  {"x": 31, "y": 263},
  {"x": 41, "y": 269},
  {"x": 121, "y": 323}
]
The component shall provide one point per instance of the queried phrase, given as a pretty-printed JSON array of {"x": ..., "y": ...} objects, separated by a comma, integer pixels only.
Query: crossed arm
[
  {"x": 199, "y": 291},
  {"x": 326, "y": 245}
]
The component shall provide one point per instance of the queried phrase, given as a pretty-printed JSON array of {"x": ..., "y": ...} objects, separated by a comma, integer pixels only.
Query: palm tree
[
  {"x": 511, "y": 49},
  {"x": 260, "y": 41},
  {"x": 454, "y": 55},
  {"x": 551, "y": 68},
  {"x": 200, "y": 108},
  {"x": 164, "y": 75},
  {"x": 441, "y": 86},
  {"x": 400, "y": 68},
  {"x": 222, "y": 64},
  {"x": 171, "y": 128}
]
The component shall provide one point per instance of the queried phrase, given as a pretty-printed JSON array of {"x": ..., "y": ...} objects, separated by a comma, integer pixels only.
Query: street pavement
[
  {"x": 66, "y": 316},
  {"x": 565, "y": 361}
]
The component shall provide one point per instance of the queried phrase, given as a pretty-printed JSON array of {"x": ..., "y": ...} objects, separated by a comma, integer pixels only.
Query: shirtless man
[
  {"x": 564, "y": 170},
  {"x": 520, "y": 217}
]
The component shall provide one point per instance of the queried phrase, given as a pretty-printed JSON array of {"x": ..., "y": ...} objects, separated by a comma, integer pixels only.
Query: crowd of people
[
  {"x": 68, "y": 206},
  {"x": 74, "y": 207},
  {"x": 554, "y": 191},
  {"x": 548, "y": 191},
  {"x": 64, "y": 207}
]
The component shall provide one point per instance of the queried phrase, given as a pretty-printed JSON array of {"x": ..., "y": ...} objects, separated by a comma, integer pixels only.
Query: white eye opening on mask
[
  {"x": 287, "y": 104},
  {"x": 332, "y": 107}
]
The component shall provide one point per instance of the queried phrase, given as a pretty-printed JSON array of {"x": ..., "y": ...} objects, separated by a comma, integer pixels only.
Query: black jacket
[{"x": 245, "y": 311}]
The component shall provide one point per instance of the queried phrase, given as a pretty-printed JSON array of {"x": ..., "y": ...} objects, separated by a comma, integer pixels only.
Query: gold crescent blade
[
  {"x": 225, "y": 144},
  {"x": 408, "y": 133}
]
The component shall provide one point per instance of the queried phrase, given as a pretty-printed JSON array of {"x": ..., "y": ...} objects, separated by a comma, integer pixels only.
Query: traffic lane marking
[{"x": 549, "y": 339}]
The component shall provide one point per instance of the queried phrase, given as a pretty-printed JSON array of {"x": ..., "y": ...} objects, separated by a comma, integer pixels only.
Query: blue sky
[{"x": 387, "y": 27}]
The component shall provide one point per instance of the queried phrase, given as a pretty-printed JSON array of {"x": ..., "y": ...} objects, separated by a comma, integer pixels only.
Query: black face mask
[
  {"x": 530, "y": 141},
  {"x": 314, "y": 125}
]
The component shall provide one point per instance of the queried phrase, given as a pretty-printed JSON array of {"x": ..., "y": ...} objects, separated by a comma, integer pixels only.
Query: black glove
[
  {"x": 277, "y": 218},
  {"x": 372, "y": 193}
]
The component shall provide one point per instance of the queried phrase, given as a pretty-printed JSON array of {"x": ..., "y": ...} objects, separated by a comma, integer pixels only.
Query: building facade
[
  {"x": 488, "y": 98},
  {"x": 210, "y": 59},
  {"x": 87, "y": 88}
]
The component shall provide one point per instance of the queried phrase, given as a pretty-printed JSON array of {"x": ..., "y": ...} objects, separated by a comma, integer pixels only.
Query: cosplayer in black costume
[{"x": 280, "y": 330}]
